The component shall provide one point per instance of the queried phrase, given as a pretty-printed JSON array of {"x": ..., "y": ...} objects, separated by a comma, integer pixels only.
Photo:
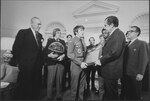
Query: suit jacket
[
  {"x": 76, "y": 52},
  {"x": 26, "y": 52},
  {"x": 112, "y": 55},
  {"x": 137, "y": 58}
]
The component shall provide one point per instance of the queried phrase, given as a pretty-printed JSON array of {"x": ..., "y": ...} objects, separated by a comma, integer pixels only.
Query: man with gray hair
[{"x": 27, "y": 55}]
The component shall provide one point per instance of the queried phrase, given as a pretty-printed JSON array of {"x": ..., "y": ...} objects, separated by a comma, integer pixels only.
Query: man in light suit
[
  {"x": 111, "y": 61},
  {"x": 135, "y": 64},
  {"x": 27, "y": 55}
]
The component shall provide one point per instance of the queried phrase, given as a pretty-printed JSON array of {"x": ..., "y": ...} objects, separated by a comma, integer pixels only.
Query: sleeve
[
  {"x": 45, "y": 51},
  {"x": 65, "y": 52},
  {"x": 71, "y": 54},
  {"x": 42, "y": 37},
  {"x": 115, "y": 49},
  {"x": 17, "y": 47},
  {"x": 143, "y": 58}
]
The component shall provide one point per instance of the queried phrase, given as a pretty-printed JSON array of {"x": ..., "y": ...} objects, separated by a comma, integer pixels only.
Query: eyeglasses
[{"x": 130, "y": 31}]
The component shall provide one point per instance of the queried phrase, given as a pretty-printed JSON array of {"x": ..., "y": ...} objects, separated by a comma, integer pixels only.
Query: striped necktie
[
  {"x": 83, "y": 48},
  {"x": 37, "y": 37}
]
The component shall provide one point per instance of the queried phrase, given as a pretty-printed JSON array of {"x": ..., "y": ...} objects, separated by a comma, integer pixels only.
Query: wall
[{"x": 17, "y": 14}]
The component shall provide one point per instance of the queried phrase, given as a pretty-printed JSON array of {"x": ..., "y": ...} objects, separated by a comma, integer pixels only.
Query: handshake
[{"x": 96, "y": 63}]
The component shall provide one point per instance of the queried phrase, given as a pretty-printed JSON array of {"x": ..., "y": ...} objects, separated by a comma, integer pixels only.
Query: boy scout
[{"x": 76, "y": 52}]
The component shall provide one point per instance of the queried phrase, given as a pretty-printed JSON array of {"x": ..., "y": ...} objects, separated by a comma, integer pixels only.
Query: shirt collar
[
  {"x": 77, "y": 37},
  {"x": 33, "y": 31},
  {"x": 56, "y": 39},
  {"x": 132, "y": 41}
]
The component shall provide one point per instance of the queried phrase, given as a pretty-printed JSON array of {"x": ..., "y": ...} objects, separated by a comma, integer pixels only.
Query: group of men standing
[{"x": 117, "y": 60}]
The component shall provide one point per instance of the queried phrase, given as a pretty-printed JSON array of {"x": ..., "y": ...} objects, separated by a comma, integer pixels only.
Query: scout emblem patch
[{"x": 79, "y": 51}]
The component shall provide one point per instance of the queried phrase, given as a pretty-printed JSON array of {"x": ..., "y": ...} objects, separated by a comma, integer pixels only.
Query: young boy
[
  {"x": 54, "y": 57},
  {"x": 76, "y": 52}
]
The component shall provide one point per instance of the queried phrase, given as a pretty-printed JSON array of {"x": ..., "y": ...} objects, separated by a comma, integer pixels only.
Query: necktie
[
  {"x": 37, "y": 37},
  {"x": 82, "y": 47},
  {"x": 129, "y": 43},
  {"x": 82, "y": 44}
]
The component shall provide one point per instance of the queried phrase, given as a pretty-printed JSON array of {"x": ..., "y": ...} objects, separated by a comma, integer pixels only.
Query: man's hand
[
  {"x": 52, "y": 55},
  {"x": 139, "y": 77},
  {"x": 60, "y": 58},
  {"x": 97, "y": 62},
  {"x": 83, "y": 65}
]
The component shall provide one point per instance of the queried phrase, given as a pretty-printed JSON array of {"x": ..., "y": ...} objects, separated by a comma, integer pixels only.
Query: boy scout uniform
[{"x": 76, "y": 52}]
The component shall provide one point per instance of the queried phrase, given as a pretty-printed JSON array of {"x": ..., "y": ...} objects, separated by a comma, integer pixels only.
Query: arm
[
  {"x": 42, "y": 40},
  {"x": 47, "y": 53},
  {"x": 143, "y": 61},
  {"x": 71, "y": 54},
  {"x": 61, "y": 57},
  {"x": 115, "y": 49},
  {"x": 143, "y": 58},
  {"x": 17, "y": 47}
]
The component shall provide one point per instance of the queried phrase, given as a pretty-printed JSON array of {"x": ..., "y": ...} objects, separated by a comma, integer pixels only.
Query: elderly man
[{"x": 27, "y": 55}]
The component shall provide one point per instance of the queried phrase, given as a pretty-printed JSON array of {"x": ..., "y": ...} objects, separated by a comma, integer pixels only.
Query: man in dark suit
[
  {"x": 111, "y": 61},
  {"x": 122, "y": 79},
  {"x": 135, "y": 64},
  {"x": 27, "y": 55}
]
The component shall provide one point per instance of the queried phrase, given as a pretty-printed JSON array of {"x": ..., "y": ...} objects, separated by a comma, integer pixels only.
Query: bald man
[{"x": 27, "y": 55}]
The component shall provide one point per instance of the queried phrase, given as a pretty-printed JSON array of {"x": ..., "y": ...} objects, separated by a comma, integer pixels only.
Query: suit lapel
[
  {"x": 33, "y": 38},
  {"x": 111, "y": 36},
  {"x": 134, "y": 43}
]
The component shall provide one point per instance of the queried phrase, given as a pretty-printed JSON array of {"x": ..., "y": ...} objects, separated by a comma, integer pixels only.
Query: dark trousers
[
  {"x": 111, "y": 89},
  {"x": 122, "y": 93},
  {"x": 29, "y": 84},
  {"x": 45, "y": 76},
  {"x": 101, "y": 87},
  {"x": 67, "y": 75},
  {"x": 8, "y": 92},
  {"x": 90, "y": 75},
  {"x": 55, "y": 73},
  {"x": 78, "y": 82},
  {"x": 132, "y": 88}
]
